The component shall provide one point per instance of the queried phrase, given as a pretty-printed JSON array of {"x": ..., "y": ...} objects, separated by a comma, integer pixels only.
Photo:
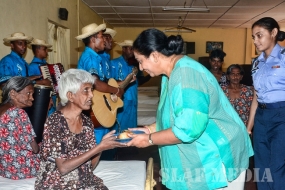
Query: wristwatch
[{"x": 149, "y": 139}]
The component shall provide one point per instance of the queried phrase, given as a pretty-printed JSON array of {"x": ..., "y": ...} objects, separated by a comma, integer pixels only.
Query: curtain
[
  {"x": 51, "y": 30},
  {"x": 58, "y": 38}
]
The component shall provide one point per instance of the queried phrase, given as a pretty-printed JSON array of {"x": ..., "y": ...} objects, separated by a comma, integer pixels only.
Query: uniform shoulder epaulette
[{"x": 283, "y": 51}]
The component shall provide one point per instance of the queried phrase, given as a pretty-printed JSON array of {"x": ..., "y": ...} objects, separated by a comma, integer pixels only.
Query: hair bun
[
  {"x": 175, "y": 44},
  {"x": 281, "y": 36}
]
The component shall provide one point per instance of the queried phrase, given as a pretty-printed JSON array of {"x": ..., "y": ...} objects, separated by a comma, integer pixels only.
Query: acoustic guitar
[{"x": 105, "y": 105}]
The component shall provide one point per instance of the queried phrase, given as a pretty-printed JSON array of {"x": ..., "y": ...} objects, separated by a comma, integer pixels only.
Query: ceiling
[{"x": 223, "y": 13}]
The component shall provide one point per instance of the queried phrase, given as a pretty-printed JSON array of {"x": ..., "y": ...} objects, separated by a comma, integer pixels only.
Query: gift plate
[{"x": 128, "y": 139}]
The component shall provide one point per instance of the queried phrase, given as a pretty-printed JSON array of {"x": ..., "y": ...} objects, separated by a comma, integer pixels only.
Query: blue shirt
[
  {"x": 34, "y": 67},
  {"x": 106, "y": 62},
  {"x": 91, "y": 62},
  {"x": 12, "y": 65},
  {"x": 269, "y": 76},
  {"x": 120, "y": 70}
]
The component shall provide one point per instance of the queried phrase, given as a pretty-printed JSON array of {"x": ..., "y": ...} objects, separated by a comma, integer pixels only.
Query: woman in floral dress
[
  {"x": 69, "y": 150},
  {"x": 239, "y": 95},
  {"x": 18, "y": 148}
]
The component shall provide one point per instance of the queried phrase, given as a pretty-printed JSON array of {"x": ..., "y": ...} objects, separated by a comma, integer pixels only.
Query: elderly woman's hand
[{"x": 109, "y": 141}]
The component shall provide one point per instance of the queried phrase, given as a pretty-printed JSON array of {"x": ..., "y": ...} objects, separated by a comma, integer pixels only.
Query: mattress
[
  {"x": 127, "y": 175},
  {"x": 148, "y": 98}
]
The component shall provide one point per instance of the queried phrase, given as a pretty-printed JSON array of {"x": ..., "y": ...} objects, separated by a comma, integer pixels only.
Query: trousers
[{"x": 269, "y": 148}]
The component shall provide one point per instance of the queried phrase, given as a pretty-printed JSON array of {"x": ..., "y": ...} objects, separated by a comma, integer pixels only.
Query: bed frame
[{"x": 149, "y": 182}]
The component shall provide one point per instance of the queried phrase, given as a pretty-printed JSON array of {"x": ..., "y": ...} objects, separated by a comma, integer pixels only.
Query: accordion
[{"x": 53, "y": 73}]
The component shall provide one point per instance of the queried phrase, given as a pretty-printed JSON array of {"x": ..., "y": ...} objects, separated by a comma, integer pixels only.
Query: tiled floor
[{"x": 132, "y": 153}]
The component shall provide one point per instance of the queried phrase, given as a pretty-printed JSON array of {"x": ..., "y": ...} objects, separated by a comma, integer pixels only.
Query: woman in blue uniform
[{"x": 268, "y": 107}]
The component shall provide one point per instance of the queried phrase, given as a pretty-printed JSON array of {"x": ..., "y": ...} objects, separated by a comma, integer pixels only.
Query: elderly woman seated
[
  {"x": 18, "y": 148},
  {"x": 239, "y": 95},
  {"x": 69, "y": 150}
]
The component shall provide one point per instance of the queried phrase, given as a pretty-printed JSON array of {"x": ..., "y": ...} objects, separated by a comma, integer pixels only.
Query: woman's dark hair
[
  {"x": 218, "y": 53},
  {"x": 16, "y": 83},
  {"x": 235, "y": 66},
  {"x": 151, "y": 40},
  {"x": 269, "y": 24}
]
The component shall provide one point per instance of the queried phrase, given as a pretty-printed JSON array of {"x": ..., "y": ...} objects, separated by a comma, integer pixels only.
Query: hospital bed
[
  {"x": 117, "y": 175},
  {"x": 148, "y": 98}
]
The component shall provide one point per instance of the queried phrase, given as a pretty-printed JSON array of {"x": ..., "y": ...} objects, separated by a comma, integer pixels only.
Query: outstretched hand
[{"x": 109, "y": 141}]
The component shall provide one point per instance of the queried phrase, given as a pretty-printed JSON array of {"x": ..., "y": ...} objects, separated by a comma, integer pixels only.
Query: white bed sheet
[
  {"x": 125, "y": 175},
  {"x": 148, "y": 98}
]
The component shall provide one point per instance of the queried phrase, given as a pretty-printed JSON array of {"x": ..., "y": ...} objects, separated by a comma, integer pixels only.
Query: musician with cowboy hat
[
  {"x": 108, "y": 36},
  {"x": 90, "y": 61},
  {"x": 40, "y": 49},
  {"x": 127, "y": 115},
  {"x": 14, "y": 64},
  {"x": 92, "y": 37}
]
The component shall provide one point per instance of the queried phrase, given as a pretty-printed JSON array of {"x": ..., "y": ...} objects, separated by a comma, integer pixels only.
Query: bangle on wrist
[
  {"x": 150, "y": 140},
  {"x": 148, "y": 129}
]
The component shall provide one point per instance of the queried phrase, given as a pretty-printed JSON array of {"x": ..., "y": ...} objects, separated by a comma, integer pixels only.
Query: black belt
[{"x": 271, "y": 105}]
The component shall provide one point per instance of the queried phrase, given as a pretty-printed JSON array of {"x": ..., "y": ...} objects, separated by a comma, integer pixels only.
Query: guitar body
[{"x": 104, "y": 108}]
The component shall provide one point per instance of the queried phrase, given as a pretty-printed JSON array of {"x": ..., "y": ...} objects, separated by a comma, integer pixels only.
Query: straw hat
[
  {"x": 40, "y": 42},
  {"x": 111, "y": 32},
  {"x": 125, "y": 43},
  {"x": 90, "y": 30},
  {"x": 17, "y": 36}
]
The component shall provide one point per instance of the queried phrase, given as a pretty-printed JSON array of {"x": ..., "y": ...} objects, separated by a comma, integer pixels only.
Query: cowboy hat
[
  {"x": 111, "y": 32},
  {"x": 17, "y": 36},
  {"x": 125, "y": 43},
  {"x": 90, "y": 30},
  {"x": 39, "y": 42}
]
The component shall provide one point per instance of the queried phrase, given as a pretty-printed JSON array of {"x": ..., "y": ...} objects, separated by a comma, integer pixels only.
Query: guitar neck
[{"x": 127, "y": 80}]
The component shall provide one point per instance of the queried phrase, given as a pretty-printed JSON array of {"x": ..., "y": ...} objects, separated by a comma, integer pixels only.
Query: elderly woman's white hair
[{"x": 70, "y": 81}]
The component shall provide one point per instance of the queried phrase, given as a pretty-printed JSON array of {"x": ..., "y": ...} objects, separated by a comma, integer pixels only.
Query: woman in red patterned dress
[
  {"x": 238, "y": 94},
  {"x": 18, "y": 148}
]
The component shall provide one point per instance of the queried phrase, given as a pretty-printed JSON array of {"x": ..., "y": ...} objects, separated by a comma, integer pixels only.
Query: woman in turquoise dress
[{"x": 203, "y": 143}]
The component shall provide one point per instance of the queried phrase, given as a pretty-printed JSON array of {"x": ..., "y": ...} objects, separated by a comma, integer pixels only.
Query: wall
[
  {"x": 31, "y": 17},
  {"x": 235, "y": 42}
]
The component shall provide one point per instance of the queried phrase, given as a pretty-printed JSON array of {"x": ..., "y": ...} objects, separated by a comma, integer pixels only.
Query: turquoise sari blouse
[{"x": 213, "y": 136}]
